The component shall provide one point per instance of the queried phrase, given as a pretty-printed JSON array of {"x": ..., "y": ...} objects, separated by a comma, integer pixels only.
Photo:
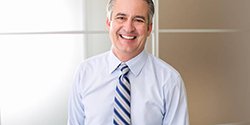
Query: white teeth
[{"x": 128, "y": 37}]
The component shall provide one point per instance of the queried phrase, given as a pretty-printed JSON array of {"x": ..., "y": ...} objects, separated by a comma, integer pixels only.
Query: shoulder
[
  {"x": 94, "y": 62},
  {"x": 161, "y": 65},
  {"x": 164, "y": 72}
]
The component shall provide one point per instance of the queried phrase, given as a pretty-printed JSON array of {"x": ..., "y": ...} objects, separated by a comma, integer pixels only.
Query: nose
[{"x": 129, "y": 26}]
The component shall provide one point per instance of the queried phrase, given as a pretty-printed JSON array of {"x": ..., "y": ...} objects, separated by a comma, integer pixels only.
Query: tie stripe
[
  {"x": 122, "y": 99},
  {"x": 124, "y": 109},
  {"x": 125, "y": 84},
  {"x": 120, "y": 119},
  {"x": 127, "y": 107},
  {"x": 121, "y": 90}
]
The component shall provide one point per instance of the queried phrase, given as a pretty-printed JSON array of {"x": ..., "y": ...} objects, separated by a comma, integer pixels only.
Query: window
[{"x": 41, "y": 44}]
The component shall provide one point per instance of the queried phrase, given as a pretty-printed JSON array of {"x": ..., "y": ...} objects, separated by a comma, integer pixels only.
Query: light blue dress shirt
[{"x": 158, "y": 95}]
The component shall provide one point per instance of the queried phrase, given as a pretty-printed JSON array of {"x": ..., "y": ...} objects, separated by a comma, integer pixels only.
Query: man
[{"x": 128, "y": 86}]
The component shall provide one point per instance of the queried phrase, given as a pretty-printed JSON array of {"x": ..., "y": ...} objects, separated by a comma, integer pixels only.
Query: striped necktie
[{"x": 122, "y": 99}]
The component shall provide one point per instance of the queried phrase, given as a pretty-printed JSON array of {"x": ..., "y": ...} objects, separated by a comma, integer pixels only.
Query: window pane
[
  {"x": 40, "y": 15},
  {"x": 98, "y": 16},
  {"x": 97, "y": 43},
  {"x": 229, "y": 14},
  {"x": 36, "y": 76},
  {"x": 216, "y": 69}
]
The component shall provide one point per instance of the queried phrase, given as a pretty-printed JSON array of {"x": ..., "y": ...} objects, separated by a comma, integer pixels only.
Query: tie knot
[{"x": 124, "y": 69}]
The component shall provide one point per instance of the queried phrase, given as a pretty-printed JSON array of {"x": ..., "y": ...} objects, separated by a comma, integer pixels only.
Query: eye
[
  {"x": 120, "y": 18},
  {"x": 139, "y": 20}
]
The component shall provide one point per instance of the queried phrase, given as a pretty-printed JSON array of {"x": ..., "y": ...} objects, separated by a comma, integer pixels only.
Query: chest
[{"x": 146, "y": 102}]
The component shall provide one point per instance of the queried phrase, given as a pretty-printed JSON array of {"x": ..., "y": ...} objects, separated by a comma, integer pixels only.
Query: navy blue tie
[{"x": 122, "y": 99}]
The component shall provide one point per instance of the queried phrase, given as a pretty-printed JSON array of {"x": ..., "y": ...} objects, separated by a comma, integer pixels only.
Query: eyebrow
[
  {"x": 120, "y": 14},
  {"x": 123, "y": 14},
  {"x": 141, "y": 17}
]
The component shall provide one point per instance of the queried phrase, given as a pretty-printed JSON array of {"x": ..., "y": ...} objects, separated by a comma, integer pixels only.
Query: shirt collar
[
  {"x": 113, "y": 62},
  {"x": 135, "y": 64}
]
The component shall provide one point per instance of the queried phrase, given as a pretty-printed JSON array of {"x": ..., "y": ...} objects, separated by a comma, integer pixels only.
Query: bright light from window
[
  {"x": 36, "y": 76},
  {"x": 40, "y": 15}
]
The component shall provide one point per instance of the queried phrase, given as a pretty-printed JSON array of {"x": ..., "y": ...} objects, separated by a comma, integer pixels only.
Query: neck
[{"x": 124, "y": 57}]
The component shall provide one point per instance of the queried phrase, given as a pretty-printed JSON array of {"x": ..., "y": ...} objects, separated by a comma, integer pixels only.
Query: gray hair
[{"x": 151, "y": 9}]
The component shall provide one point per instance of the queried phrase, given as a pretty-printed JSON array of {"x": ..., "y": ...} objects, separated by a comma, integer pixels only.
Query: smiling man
[
  {"x": 127, "y": 85},
  {"x": 129, "y": 27}
]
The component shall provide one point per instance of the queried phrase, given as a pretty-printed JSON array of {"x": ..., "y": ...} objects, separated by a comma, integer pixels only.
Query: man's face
[{"x": 129, "y": 27}]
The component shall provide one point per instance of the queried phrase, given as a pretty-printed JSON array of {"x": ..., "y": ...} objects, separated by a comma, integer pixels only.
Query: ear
[
  {"x": 150, "y": 27},
  {"x": 108, "y": 23}
]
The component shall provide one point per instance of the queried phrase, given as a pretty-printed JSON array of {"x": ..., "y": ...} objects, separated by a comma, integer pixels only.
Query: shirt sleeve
[
  {"x": 176, "y": 109},
  {"x": 75, "y": 106}
]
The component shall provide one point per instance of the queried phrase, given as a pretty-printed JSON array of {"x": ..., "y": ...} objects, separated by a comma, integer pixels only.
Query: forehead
[{"x": 130, "y": 7}]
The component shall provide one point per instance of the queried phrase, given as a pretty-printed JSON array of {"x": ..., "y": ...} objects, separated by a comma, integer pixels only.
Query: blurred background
[{"x": 43, "y": 41}]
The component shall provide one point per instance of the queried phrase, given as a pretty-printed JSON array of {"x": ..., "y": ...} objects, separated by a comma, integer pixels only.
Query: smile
[{"x": 128, "y": 37}]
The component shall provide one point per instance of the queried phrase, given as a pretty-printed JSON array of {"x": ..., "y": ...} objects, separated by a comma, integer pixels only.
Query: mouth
[{"x": 128, "y": 37}]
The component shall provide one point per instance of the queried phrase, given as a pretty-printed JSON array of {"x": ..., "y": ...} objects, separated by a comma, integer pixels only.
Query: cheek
[
  {"x": 114, "y": 26},
  {"x": 143, "y": 30},
  {"x": 143, "y": 33}
]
